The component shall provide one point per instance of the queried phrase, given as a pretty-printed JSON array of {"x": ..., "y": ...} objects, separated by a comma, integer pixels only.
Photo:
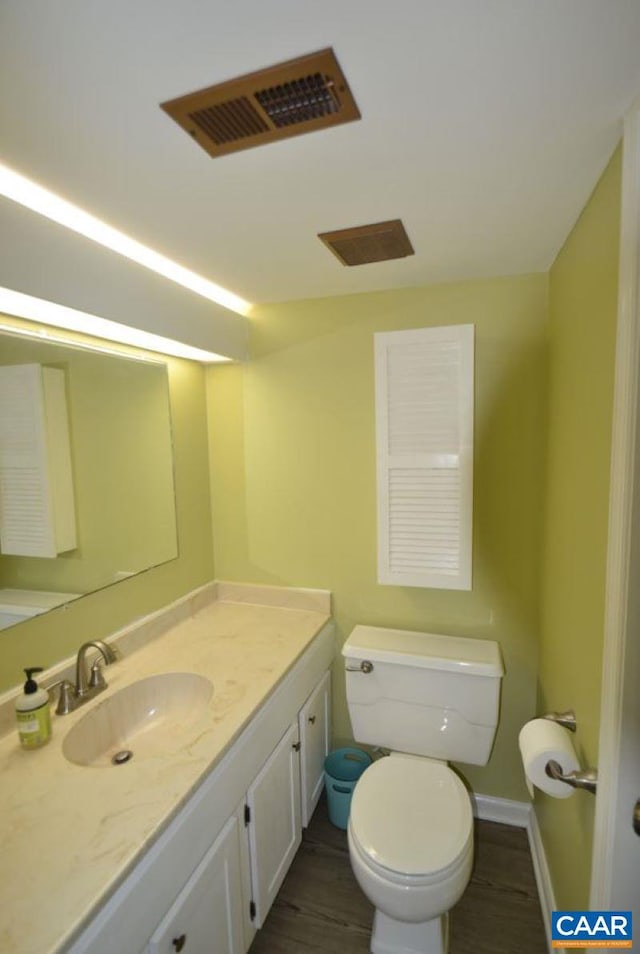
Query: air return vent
[
  {"x": 289, "y": 99},
  {"x": 369, "y": 243}
]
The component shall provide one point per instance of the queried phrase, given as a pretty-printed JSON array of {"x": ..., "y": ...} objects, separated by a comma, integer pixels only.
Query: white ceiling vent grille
[
  {"x": 424, "y": 419},
  {"x": 289, "y": 99}
]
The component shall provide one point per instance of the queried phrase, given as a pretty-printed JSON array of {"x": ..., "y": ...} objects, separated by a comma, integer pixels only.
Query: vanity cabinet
[
  {"x": 207, "y": 915},
  {"x": 273, "y": 817},
  {"x": 243, "y": 870},
  {"x": 314, "y": 721},
  {"x": 207, "y": 883},
  {"x": 282, "y": 799}
]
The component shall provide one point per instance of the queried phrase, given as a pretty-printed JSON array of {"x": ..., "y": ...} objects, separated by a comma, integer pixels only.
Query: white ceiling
[{"x": 485, "y": 125}]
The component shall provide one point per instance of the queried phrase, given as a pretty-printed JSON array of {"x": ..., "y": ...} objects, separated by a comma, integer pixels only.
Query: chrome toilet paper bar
[
  {"x": 566, "y": 719},
  {"x": 587, "y": 779}
]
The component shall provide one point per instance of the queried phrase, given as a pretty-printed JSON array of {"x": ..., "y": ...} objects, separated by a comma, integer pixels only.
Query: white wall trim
[
  {"x": 620, "y": 510},
  {"x": 502, "y": 810},
  {"x": 543, "y": 877}
]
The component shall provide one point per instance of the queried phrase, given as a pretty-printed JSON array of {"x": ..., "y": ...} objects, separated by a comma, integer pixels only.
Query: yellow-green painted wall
[
  {"x": 58, "y": 634},
  {"x": 583, "y": 288},
  {"x": 288, "y": 483},
  {"x": 293, "y": 474},
  {"x": 120, "y": 434}
]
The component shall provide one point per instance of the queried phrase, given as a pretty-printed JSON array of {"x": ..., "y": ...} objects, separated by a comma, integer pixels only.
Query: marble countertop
[{"x": 71, "y": 833}]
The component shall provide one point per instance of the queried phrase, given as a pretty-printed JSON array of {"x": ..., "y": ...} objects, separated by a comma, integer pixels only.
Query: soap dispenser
[{"x": 32, "y": 713}]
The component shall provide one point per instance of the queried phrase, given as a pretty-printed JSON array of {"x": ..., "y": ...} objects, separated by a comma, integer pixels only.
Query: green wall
[
  {"x": 58, "y": 634},
  {"x": 120, "y": 434},
  {"x": 289, "y": 487},
  {"x": 293, "y": 486},
  {"x": 293, "y": 474},
  {"x": 583, "y": 289}
]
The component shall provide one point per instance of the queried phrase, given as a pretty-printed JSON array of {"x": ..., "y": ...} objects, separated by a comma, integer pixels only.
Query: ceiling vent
[
  {"x": 289, "y": 99},
  {"x": 369, "y": 243}
]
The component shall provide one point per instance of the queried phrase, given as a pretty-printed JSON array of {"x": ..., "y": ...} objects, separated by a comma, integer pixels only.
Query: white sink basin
[{"x": 149, "y": 717}]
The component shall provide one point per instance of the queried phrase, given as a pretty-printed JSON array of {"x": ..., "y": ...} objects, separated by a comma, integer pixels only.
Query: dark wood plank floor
[{"x": 320, "y": 907}]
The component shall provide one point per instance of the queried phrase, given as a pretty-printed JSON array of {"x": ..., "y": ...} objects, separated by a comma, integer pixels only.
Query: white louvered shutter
[
  {"x": 424, "y": 432},
  {"x": 36, "y": 489}
]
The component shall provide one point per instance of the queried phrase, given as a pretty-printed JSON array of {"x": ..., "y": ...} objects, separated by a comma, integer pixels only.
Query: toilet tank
[{"x": 424, "y": 694}]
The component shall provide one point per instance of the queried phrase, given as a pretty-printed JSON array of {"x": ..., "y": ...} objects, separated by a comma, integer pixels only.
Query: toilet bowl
[
  {"x": 411, "y": 847},
  {"x": 435, "y": 699}
]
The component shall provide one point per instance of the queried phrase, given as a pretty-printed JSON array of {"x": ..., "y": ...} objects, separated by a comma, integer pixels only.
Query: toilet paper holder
[
  {"x": 566, "y": 719},
  {"x": 587, "y": 779}
]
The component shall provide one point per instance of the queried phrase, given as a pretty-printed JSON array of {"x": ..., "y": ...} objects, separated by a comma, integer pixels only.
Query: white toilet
[{"x": 429, "y": 699}]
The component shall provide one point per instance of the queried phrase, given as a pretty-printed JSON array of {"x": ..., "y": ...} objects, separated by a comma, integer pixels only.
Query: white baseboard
[
  {"x": 522, "y": 815},
  {"x": 502, "y": 810},
  {"x": 543, "y": 878}
]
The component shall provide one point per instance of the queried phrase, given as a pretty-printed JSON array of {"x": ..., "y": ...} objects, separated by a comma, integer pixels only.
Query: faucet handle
[
  {"x": 96, "y": 678},
  {"x": 66, "y": 698}
]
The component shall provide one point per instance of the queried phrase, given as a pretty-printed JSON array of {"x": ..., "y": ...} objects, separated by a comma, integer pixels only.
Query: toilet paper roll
[{"x": 541, "y": 740}]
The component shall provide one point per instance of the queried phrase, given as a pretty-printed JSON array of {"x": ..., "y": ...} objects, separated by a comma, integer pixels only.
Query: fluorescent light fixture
[
  {"x": 60, "y": 316},
  {"x": 22, "y": 190},
  {"x": 81, "y": 344}
]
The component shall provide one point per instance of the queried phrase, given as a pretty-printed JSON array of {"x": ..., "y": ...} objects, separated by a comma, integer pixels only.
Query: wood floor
[{"x": 320, "y": 907}]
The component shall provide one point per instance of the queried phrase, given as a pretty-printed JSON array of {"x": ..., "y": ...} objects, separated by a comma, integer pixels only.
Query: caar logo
[{"x": 591, "y": 929}]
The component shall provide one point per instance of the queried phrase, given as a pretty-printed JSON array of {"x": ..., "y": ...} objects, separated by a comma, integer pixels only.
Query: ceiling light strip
[
  {"x": 43, "y": 334},
  {"x": 27, "y": 193},
  {"x": 61, "y": 316}
]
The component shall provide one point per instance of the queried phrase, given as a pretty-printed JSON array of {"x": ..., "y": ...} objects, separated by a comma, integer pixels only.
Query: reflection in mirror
[{"x": 118, "y": 485}]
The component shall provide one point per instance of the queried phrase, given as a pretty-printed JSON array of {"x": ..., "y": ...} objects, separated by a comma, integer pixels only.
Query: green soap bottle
[{"x": 33, "y": 713}]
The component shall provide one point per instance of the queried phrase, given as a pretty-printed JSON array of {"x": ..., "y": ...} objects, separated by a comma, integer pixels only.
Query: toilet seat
[
  {"x": 405, "y": 881},
  {"x": 411, "y": 820}
]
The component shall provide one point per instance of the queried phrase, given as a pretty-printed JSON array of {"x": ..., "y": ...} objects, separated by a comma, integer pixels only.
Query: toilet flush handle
[{"x": 365, "y": 666}]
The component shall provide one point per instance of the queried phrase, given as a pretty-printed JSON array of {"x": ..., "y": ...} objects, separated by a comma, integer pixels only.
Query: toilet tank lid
[{"x": 460, "y": 654}]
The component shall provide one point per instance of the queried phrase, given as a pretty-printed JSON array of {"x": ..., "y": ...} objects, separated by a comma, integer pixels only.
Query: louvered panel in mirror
[
  {"x": 26, "y": 517},
  {"x": 25, "y": 513}
]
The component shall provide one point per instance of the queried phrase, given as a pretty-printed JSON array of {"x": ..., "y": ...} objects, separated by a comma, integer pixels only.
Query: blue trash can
[{"x": 342, "y": 769}]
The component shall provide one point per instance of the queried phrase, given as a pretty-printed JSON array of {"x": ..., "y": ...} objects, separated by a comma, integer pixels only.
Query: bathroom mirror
[{"x": 121, "y": 486}]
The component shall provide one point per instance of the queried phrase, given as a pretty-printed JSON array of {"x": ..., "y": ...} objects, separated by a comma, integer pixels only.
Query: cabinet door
[
  {"x": 315, "y": 731},
  {"x": 206, "y": 917},
  {"x": 275, "y": 832}
]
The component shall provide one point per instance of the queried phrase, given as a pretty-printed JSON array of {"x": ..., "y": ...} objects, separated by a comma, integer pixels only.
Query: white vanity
[{"x": 186, "y": 848}]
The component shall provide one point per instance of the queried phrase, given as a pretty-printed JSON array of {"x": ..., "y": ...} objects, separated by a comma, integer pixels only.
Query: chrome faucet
[{"x": 87, "y": 685}]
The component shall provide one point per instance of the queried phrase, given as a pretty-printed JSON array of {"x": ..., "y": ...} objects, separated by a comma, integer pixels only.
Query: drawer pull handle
[
  {"x": 179, "y": 942},
  {"x": 312, "y": 720}
]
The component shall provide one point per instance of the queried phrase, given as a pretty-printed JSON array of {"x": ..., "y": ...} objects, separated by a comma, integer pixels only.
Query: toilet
[{"x": 430, "y": 700}]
